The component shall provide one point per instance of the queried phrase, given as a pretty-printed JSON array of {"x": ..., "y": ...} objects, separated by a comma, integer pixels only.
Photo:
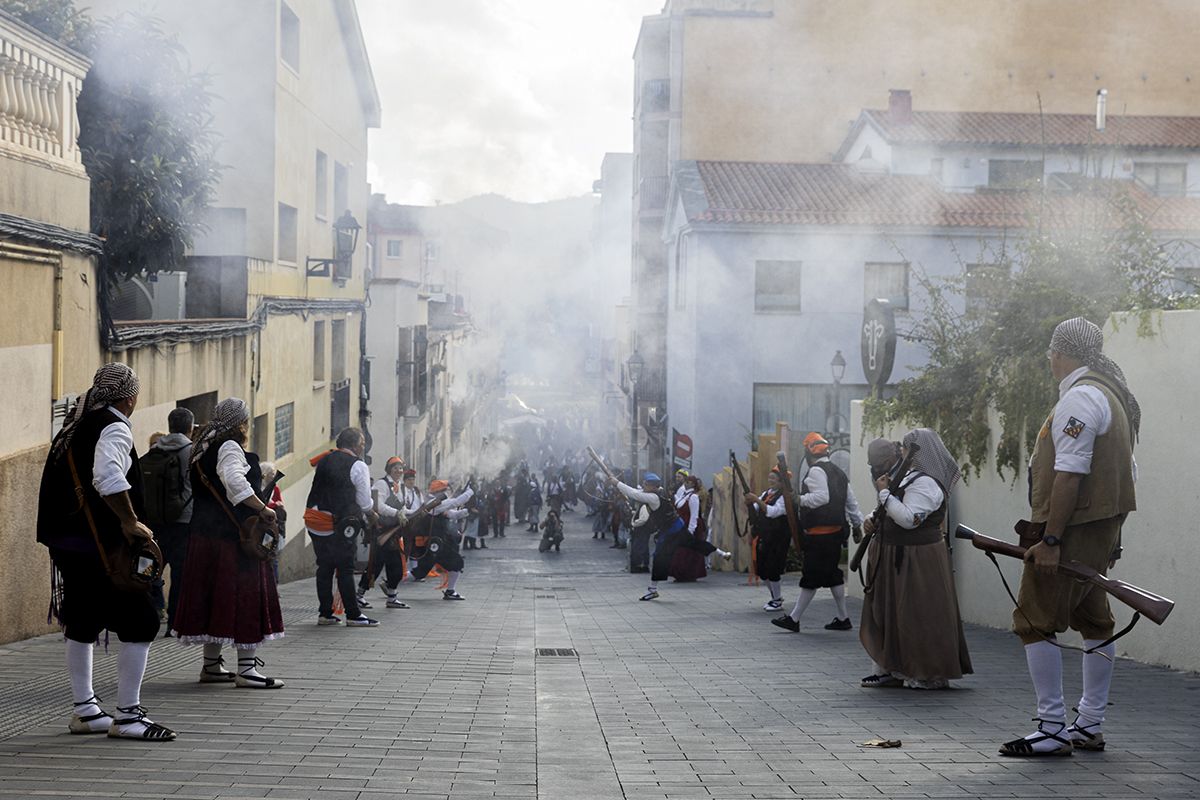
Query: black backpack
[{"x": 163, "y": 484}]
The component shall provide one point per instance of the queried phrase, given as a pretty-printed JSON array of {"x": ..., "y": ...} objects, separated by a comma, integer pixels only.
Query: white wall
[
  {"x": 1161, "y": 538},
  {"x": 719, "y": 347}
]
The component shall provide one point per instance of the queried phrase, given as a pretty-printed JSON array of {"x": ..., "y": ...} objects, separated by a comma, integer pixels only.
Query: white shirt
[
  {"x": 451, "y": 507},
  {"x": 775, "y": 509},
  {"x": 922, "y": 496},
  {"x": 689, "y": 498},
  {"x": 649, "y": 498},
  {"x": 1082, "y": 414},
  {"x": 112, "y": 459},
  {"x": 412, "y": 498},
  {"x": 383, "y": 490},
  {"x": 232, "y": 467},
  {"x": 360, "y": 476},
  {"x": 643, "y": 516},
  {"x": 816, "y": 494}
]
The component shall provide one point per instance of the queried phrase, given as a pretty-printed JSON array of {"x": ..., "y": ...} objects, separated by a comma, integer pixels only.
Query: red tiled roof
[
  {"x": 837, "y": 194},
  {"x": 1061, "y": 130}
]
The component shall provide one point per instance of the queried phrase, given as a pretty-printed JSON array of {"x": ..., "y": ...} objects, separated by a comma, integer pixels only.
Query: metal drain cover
[{"x": 557, "y": 652}]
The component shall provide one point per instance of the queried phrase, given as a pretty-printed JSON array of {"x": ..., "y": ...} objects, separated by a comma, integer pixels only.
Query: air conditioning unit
[{"x": 168, "y": 295}]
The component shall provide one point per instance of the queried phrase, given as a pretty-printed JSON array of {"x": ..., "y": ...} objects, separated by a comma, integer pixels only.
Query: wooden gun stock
[
  {"x": 596, "y": 459},
  {"x": 1151, "y": 606},
  {"x": 430, "y": 505},
  {"x": 741, "y": 479},
  {"x": 877, "y": 515},
  {"x": 789, "y": 500}
]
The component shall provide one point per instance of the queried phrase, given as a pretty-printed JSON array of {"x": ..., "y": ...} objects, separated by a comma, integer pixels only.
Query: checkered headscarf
[
  {"x": 112, "y": 382},
  {"x": 226, "y": 417},
  {"x": 932, "y": 458},
  {"x": 1083, "y": 341}
]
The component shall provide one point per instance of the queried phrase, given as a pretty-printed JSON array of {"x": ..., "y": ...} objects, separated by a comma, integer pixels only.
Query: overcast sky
[{"x": 517, "y": 97}]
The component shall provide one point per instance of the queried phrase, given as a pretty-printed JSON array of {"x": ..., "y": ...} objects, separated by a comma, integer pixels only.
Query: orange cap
[
  {"x": 815, "y": 443},
  {"x": 438, "y": 486}
]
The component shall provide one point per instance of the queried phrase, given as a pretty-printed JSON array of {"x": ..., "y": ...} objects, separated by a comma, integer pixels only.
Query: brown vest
[{"x": 1105, "y": 492}]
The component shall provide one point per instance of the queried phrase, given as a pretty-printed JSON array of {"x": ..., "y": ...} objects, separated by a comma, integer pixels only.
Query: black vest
[
  {"x": 765, "y": 526},
  {"x": 833, "y": 512},
  {"x": 209, "y": 517},
  {"x": 332, "y": 490},
  {"x": 664, "y": 518},
  {"x": 61, "y": 521}
]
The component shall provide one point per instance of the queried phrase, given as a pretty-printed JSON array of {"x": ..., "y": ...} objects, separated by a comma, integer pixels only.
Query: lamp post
[
  {"x": 837, "y": 368},
  {"x": 634, "y": 367}
]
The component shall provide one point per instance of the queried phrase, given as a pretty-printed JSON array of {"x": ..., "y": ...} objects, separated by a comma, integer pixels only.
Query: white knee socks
[
  {"x": 131, "y": 669},
  {"x": 839, "y": 600},
  {"x": 806, "y": 597},
  {"x": 79, "y": 667},
  {"x": 452, "y": 580},
  {"x": 1097, "y": 677},
  {"x": 248, "y": 662},
  {"x": 773, "y": 586},
  {"x": 1046, "y": 670}
]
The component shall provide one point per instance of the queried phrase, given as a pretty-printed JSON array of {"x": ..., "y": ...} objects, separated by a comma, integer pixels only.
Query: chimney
[{"x": 900, "y": 106}]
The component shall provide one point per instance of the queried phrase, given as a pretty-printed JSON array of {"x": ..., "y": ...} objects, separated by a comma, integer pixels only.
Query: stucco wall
[
  {"x": 720, "y": 346},
  {"x": 1162, "y": 548},
  {"x": 784, "y": 87}
]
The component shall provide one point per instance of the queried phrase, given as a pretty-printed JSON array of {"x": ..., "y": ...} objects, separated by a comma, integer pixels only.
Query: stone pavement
[{"x": 695, "y": 695}]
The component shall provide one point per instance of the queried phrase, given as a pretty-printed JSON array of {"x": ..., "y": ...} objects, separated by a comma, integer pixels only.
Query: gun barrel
[{"x": 963, "y": 532}]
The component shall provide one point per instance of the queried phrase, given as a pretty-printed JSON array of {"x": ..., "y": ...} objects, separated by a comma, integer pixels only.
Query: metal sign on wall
[
  {"x": 878, "y": 343},
  {"x": 681, "y": 448}
]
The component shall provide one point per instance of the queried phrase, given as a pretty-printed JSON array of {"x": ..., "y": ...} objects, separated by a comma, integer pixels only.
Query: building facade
[
  {"x": 700, "y": 95},
  {"x": 770, "y": 264},
  {"x": 273, "y": 305}
]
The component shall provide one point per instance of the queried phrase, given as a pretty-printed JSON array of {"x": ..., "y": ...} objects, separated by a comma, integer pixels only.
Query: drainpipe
[{"x": 56, "y": 342}]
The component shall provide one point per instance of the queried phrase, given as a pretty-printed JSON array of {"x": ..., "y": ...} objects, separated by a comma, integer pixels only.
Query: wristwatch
[{"x": 1052, "y": 541}]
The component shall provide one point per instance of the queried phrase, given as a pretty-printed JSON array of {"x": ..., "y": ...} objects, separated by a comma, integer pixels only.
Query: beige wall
[
  {"x": 785, "y": 87},
  {"x": 1161, "y": 546}
]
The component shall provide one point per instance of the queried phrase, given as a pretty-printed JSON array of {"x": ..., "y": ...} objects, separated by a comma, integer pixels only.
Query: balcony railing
[
  {"x": 652, "y": 194},
  {"x": 39, "y": 84}
]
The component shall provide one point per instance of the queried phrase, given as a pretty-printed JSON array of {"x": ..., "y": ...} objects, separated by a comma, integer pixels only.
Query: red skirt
[{"x": 227, "y": 597}]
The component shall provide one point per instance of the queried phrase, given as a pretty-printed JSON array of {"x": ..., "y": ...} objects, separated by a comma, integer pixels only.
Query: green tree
[
  {"x": 147, "y": 142},
  {"x": 58, "y": 19},
  {"x": 1089, "y": 254}
]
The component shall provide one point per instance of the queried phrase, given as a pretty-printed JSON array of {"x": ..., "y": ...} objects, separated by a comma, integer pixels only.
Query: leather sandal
[
  {"x": 1083, "y": 738},
  {"x": 83, "y": 725},
  {"x": 150, "y": 732},
  {"x": 1023, "y": 748}
]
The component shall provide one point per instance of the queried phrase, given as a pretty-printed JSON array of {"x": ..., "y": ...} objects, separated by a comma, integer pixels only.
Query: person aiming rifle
[{"x": 910, "y": 625}]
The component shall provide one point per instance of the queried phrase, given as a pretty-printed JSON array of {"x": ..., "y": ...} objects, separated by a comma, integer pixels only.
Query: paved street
[{"x": 692, "y": 696}]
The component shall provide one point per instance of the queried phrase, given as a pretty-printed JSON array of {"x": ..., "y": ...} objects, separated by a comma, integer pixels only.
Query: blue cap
[{"x": 651, "y": 476}]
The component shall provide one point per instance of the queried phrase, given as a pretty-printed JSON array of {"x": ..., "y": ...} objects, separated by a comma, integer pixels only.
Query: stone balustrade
[{"x": 40, "y": 81}]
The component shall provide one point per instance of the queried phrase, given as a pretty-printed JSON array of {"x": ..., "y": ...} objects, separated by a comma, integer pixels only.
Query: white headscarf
[
  {"x": 112, "y": 382},
  {"x": 932, "y": 457},
  {"x": 226, "y": 417}
]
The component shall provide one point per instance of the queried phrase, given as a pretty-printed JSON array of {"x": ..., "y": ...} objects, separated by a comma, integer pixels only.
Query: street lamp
[
  {"x": 633, "y": 368},
  {"x": 345, "y": 242},
  {"x": 837, "y": 368}
]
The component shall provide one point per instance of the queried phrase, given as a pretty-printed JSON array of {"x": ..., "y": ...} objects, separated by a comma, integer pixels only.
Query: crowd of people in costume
[{"x": 208, "y": 510}]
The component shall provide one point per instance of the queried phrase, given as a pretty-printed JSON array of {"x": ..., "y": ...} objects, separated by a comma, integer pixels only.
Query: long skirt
[
  {"x": 688, "y": 562},
  {"x": 227, "y": 597},
  {"x": 910, "y": 622}
]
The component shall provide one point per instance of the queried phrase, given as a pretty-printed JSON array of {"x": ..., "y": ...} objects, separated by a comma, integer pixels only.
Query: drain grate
[
  {"x": 545, "y": 597},
  {"x": 557, "y": 652}
]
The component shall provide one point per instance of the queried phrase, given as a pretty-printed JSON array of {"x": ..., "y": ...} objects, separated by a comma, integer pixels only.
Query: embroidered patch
[{"x": 1074, "y": 428}]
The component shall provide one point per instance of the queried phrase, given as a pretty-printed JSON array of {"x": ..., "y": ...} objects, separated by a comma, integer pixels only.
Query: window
[
  {"x": 984, "y": 281},
  {"x": 289, "y": 37},
  {"x": 395, "y": 248},
  {"x": 341, "y": 190},
  {"x": 803, "y": 406},
  {"x": 322, "y": 198},
  {"x": 287, "y": 233},
  {"x": 887, "y": 282},
  {"x": 1165, "y": 180},
  {"x": 777, "y": 286},
  {"x": 338, "y": 339},
  {"x": 318, "y": 351},
  {"x": 1011, "y": 174},
  {"x": 432, "y": 250},
  {"x": 283, "y": 430}
]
